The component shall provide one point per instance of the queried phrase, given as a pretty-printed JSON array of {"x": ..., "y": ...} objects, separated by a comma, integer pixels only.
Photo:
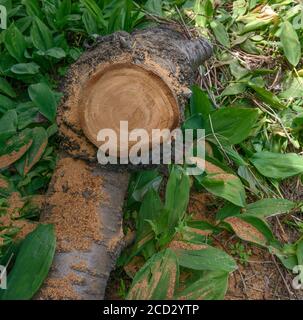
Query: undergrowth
[{"x": 248, "y": 98}]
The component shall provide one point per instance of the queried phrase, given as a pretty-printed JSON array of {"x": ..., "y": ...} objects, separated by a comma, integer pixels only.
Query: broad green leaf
[
  {"x": 157, "y": 279},
  {"x": 6, "y": 88},
  {"x": 220, "y": 33},
  {"x": 194, "y": 122},
  {"x": 32, "y": 8},
  {"x": 95, "y": 11},
  {"x": 251, "y": 229},
  {"x": 41, "y": 35},
  {"x": 140, "y": 182},
  {"x": 233, "y": 124},
  {"x": 32, "y": 265},
  {"x": 176, "y": 198},
  {"x": 203, "y": 11},
  {"x": 211, "y": 286},
  {"x": 44, "y": 99},
  {"x": 33, "y": 155},
  {"x": 8, "y": 125},
  {"x": 57, "y": 53},
  {"x": 6, "y": 103},
  {"x": 255, "y": 25},
  {"x": 234, "y": 89},
  {"x": 229, "y": 210},
  {"x": 269, "y": 207},
  {"x": 25, "y": 68},
  {"x": 277, "y": 165},
  {"x": 290, "y": 43},
  {"x": 15, "y": 43},
  {"x": 202, "y": 257},
  {"x": 294, "y": 90},
  {"x": 154, "y": 7},
  {"x": 267, "y": 96},
  {"x": 15, "y": 148},
  {"x": 150, "y": 210},
  {"x": 225, "y": 185},
  {"x": 62, "y": 13},
  {"x": 299, "y": 252},
  {"x": 199, "y": 102}
]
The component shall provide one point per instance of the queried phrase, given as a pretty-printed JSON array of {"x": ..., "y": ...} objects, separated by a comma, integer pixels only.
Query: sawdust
[
  {"x": 74, "y": 205},
  {"x": 212, "y": 168},
  {"x": 59, "y": 289},
  {"x": 80, "y": 266},
  {"x": 245, "y": 230},
  {"x": 186, "y": 245},
  {"x": 75, "y": 278}
]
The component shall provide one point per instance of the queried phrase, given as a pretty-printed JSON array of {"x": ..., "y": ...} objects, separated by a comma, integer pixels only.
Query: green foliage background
[{"x": 250, "y": 105}]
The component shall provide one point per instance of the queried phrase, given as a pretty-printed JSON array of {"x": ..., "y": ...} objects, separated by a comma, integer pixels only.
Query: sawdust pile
[{"x": 72, "y": 205}]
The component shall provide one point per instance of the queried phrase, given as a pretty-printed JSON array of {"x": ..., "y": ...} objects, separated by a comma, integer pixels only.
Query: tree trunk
[{"x": 142, "y": 78}]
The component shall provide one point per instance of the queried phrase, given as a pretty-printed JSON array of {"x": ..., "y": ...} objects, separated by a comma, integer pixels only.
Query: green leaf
[
  {"x": 299, "y": 252},
  {"x": 269, "y": 207},
  {"x": 15, "y": 148},
  {"x": 194, "y": 122},
  {"x": 277, "y": 165},
  {"x": 268, "y": 97},
  {"x": 233, "y": 124},
  {"x": 8, "y": 125},
  {"x": 6, "y": 103},
  {"x": 199, "y": 102},
  {"x": 176, "y": 198},
  {"x": 32, "y": 8},
  {"x": 290, "y": 43},
  {"x": 154, "y": 6},
  {"x": 41, "y": 35},
  {"x": 251, "y": 229},
  {"x": 211, "y": 286},
  {"x": 44, "y": 99},
  {"x": 95, "y": 12},
  {"x": 15, "y": 43},
  {"x": 234, "y": 89},
  {"x": 57, "y": 53},
  {"x": 140, "y": 182},
  {"x": 220, "y": 33},
  {"x": 202, "y": 257},
  {"x": 225, "y": 185},
  {"x": 34, "y": 154},
  {"x": 25, "y": 68},
  {"x": 6, "y": 88},
  {"x": 229, "y": 210},
  {"x": 32, "y": 265},
  {"x": 157, "y": 279}
]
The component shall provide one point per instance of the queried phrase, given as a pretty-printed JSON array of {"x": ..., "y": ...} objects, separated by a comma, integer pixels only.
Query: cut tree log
[{"x": 142, "y": 78}]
